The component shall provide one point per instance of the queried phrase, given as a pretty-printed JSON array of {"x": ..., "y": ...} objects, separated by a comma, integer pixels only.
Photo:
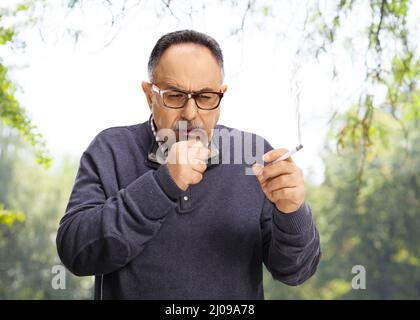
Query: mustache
[{"x": 185, "y": 125}]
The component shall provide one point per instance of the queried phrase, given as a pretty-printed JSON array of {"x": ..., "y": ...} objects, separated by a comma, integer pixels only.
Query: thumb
[{"x": 257, "y": 169}]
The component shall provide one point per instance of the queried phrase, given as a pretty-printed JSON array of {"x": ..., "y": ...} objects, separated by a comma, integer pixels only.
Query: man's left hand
[{"x": 282, "y": 182}]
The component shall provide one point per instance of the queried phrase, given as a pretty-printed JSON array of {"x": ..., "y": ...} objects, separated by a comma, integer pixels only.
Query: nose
[{"x": 189, "y": 112}]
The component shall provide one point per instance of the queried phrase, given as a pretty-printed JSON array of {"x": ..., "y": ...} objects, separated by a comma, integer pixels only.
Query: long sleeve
[
  {"x": 291, "y": 248},
  {"x": 100, "y": 234}
]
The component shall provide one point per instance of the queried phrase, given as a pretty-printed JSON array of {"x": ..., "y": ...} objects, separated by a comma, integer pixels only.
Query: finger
[
  {"x": 195, "y": 161},
  {"x": 257, "y": 169},
  {"x": 184, "y": 147},
  {"x": 274, "y": 154},
  {"x": 202, "y": 153},
  {"x": 196, "y": 177},
  {"x": 192, "y": 144},
  {"x": 199, "y": 166},
  {"x": 198, "y": 153},
  {"x": 195, "y": 143},
  {"x": 182, "y": 152},
  {"x": 283, "y": 194},
  {"x": 192, "y": 153},
  {"x": 276, "y": 169},
  {"x": 294, "y": 194},
  {"x": 280, "y": 182}
]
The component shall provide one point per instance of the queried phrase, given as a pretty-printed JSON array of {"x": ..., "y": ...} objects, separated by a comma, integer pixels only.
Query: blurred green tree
[
  {"x": 366, "y": 209},
  {"x": 373, "y": 223},
  {"x": 12, "y": 114},
  {"x": 27, "y": 249}
]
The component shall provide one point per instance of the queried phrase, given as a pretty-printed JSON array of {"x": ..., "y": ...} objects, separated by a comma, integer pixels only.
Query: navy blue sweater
[{"x": 130, "y": 225}]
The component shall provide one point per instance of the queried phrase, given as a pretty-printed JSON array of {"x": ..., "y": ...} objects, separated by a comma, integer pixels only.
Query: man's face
[{"x": 187, "y": 67}]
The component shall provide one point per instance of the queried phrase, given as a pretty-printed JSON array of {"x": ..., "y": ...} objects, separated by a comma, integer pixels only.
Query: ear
[
  {"x": 224, "y": 88},
  {"x": 147, "y": 89}
]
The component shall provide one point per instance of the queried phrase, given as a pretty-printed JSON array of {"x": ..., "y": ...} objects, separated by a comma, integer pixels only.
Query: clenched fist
[
  {"x": 186, "y": 162},
  {"x": 282, "y": 182}
]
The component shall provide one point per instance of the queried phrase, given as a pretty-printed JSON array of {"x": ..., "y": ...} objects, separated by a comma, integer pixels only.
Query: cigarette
[{"x": 288, "y": 154}]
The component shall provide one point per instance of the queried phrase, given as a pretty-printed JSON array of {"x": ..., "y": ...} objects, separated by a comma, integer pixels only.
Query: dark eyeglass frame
[{"x": 189, "y": 95}]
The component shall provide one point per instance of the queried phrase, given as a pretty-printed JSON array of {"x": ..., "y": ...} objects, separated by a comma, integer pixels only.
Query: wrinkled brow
[{"x": 182, "y": 89}]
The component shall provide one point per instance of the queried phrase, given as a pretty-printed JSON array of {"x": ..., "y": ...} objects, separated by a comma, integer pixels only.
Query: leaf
[{"x": 9, "y": 217}]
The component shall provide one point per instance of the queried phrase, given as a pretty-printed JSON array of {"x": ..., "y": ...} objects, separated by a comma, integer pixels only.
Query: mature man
[{"x": 156, "y": 214}]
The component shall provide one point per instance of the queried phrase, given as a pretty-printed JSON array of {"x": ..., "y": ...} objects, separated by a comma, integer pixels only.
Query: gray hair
[{"x": 183, "y": 36}]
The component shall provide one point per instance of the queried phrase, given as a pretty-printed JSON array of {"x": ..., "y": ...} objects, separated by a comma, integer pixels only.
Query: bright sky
[{"x": 74, "y": 91}]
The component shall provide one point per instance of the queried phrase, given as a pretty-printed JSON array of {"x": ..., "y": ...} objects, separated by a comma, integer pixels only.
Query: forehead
[{"x": 188, "y": 66}]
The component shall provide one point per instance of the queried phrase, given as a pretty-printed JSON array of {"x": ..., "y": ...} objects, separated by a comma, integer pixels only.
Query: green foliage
[
  {"x": 388, "y": 24},
  {"x": 366, "y": 209},
  {"x": 6, "y": 35},
  {"x": 27, "y": 248},
  {"x": 373, "y": 222},
  {"x": 9, "y": 217},
  {"x": 12, "y": 113}
]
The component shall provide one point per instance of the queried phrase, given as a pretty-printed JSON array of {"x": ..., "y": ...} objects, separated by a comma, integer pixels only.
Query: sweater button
[{"x": 186, "y": 198}]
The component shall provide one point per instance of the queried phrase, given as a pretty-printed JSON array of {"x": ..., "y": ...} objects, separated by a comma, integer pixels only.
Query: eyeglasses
[{"x": 177, "y": 99}]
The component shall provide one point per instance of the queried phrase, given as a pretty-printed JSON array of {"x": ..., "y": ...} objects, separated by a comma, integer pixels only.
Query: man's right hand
[{"x": 186, "y": 162}]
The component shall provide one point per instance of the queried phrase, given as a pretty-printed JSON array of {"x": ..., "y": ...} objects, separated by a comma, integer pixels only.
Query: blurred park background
[{"x": 70, "y": 68}]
